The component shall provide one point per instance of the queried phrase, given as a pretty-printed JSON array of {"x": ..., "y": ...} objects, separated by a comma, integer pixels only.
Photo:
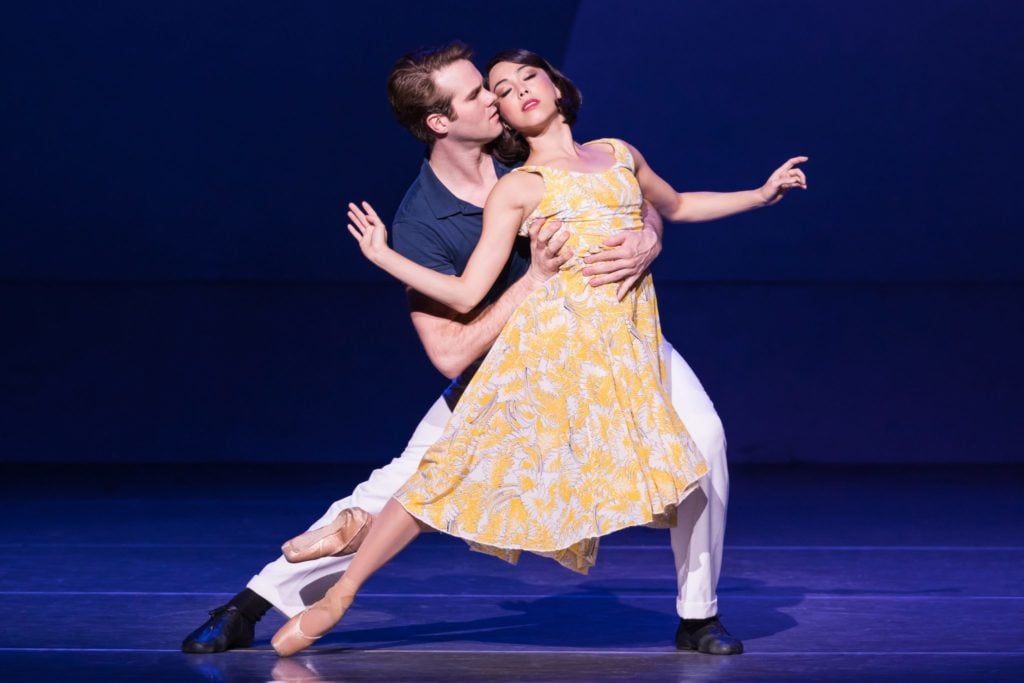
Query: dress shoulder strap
[
  {"x": 619, "y": 150},
  {"x": 539, "y": 170}
]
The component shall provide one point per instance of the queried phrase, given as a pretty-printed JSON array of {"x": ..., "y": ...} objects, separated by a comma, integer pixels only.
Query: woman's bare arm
[
  {"x": 693, "y": 207},
  {"x": 503, "y": 214}
]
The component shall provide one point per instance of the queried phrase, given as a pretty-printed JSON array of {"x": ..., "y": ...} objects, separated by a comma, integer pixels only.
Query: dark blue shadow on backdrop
[{"x": 178, "y": 285}]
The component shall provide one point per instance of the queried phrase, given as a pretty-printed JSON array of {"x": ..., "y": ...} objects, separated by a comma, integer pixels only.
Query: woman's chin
[{"x": 532, "y": 129}]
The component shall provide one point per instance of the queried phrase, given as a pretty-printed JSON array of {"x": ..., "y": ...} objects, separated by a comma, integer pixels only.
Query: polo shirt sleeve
[{"x": 419, "y": 242}]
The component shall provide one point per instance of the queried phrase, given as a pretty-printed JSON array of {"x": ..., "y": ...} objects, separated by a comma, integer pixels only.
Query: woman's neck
[{"x": 554, "y": 142}]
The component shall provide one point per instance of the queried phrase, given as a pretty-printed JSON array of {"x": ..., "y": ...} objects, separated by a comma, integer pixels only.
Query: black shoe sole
[
  {"x": 211, "y": 648},
  {"x": 687, "y": 647}
]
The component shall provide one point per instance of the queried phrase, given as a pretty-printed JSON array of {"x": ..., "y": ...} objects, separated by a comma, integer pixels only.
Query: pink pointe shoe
[
  {"x": 343, "y": 536},
  {"x": 320, "y": 617}
]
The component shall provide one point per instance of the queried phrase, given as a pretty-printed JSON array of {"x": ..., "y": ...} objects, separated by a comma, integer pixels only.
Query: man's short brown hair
[{"x": 414, "y": 95}]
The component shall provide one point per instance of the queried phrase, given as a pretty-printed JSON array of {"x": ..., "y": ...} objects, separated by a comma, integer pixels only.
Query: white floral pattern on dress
[{"x": 567, "y": 431}]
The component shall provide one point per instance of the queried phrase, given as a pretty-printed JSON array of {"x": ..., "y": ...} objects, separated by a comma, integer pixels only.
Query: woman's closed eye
[{"x": 525, "y": 78}]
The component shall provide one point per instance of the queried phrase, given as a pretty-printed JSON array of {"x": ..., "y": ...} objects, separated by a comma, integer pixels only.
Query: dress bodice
[{"x": 592, "y": 205}]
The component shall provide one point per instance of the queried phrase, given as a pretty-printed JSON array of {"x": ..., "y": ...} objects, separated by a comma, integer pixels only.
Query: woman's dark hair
[{"x": 511, "y": 147}]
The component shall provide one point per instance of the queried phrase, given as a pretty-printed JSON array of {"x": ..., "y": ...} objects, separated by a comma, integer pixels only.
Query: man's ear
[{"x": 438, "y": 123}]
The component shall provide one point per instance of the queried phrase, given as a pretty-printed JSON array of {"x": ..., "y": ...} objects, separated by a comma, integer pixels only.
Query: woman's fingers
[
  {"x": 371, "y": 213},
  {"x": 793, "y": 162},
  {"x": 797, "y": 176},
  {"x": 365, "y": 224},
  {"x": 357, "y": 218},
  {"x": 791, "y": 178},
  {"x": 366, "y": 227},
  {"x": 365, "y": 213}
]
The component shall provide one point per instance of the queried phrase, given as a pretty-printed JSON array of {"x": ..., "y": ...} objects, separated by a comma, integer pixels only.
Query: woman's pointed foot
[
  {"x": 290, "y": 639},
  {"x": 308, "y": 626},
  {"x": 343, "y": 536}
]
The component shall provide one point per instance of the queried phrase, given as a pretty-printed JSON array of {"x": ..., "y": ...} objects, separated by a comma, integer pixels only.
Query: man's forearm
[
  {"x": 652, "y": 220},
  {"x": 460, "y": 341}
]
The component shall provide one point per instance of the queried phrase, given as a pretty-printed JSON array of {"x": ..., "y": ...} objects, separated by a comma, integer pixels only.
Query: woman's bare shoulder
[{"x": 518, "y": 188}]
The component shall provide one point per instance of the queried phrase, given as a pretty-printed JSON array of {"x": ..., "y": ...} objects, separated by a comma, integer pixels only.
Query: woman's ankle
[{"x": 346, "y": 586}]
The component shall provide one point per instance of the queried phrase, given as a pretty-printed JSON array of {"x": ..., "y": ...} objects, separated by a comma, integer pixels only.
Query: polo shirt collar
[
  {"x": 442, "y": 202},
  {"x": 440, "y": 199}
]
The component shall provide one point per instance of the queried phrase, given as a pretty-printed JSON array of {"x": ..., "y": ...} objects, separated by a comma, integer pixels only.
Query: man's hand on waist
[{"x": 627, "y": 258}]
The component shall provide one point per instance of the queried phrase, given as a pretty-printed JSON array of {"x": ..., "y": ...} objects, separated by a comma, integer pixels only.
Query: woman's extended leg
[{"x": 392, "y": 531}]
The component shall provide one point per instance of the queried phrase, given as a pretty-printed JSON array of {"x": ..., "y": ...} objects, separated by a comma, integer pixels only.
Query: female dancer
[{"x": 566, "y": 432}]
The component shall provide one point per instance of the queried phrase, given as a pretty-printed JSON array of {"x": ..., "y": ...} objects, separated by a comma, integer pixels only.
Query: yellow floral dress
[{"x": 566, "y": 432}]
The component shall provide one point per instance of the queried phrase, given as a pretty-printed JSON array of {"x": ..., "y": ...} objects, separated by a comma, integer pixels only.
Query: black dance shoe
[
  {"x": 226, "y": 629},
  {"x": 707, "y": 636}
]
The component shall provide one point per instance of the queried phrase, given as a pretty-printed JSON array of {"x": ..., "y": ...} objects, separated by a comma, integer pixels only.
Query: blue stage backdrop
[{"x": 177, "y": 284}]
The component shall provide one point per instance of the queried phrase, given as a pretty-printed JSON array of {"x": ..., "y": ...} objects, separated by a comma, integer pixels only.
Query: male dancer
[{"x": 439, "y": 96}]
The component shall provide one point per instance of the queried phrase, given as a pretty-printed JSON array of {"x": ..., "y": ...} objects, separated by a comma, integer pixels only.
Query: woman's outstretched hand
[
  {"x": 368, "y": 229},
  {"x": 784, "y": 179}
]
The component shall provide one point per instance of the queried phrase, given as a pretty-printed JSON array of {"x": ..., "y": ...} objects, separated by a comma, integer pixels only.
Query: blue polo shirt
[{"x": 438, "y": 230}]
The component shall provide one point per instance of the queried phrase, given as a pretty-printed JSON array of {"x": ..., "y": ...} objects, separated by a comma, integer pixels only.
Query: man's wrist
[{"x": 653, "y": 247}]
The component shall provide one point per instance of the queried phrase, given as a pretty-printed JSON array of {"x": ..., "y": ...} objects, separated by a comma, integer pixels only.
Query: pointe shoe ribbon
[
  {"x": 327, "y": 611},
  {"x": 343, "y": 536}
]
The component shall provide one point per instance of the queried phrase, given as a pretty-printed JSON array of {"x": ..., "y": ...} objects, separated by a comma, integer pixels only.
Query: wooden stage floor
[{"x": 831, "y": 574}]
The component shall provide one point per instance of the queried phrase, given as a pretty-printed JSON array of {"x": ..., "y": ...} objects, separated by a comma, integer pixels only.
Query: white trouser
[{"x": 696, "y": 539}]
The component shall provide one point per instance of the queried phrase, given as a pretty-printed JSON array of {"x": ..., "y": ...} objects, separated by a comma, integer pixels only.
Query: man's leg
[
  {"x": 698, "y": 536},
  {"x": 291, "y": 587}
]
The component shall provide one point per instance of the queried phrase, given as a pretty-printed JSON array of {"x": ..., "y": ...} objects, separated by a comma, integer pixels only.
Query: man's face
[{"x": 476, "y": 114}]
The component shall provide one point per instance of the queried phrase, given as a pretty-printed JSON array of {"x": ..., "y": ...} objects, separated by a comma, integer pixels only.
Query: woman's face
[{"x": 526, "y": 96}]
